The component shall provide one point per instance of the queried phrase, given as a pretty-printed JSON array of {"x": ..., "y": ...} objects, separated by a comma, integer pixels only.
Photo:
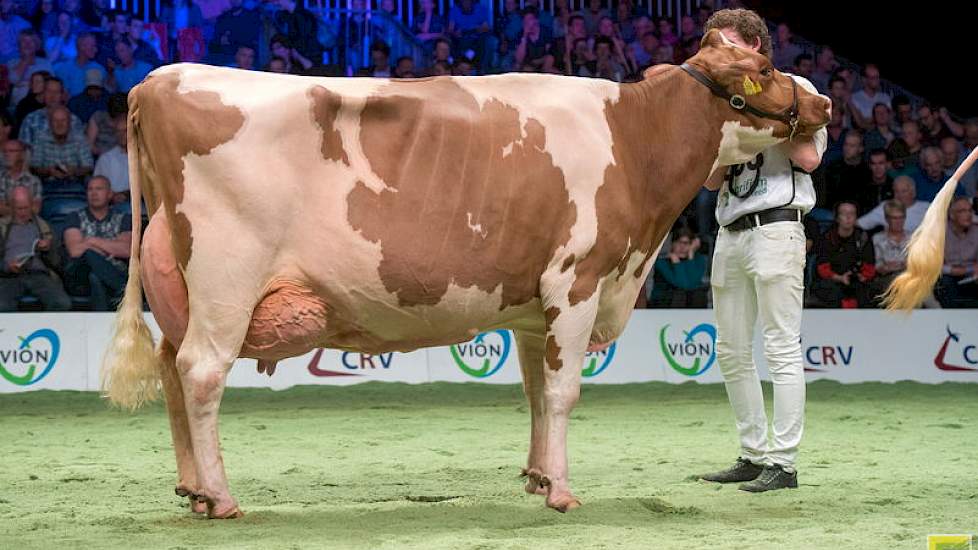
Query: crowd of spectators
[{"x": 65, "y": 66}]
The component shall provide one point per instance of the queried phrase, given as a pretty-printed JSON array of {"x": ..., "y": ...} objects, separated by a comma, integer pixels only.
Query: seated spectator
[
  {"x": 19, "y": 70},
  {"x": 244, "y": 58},
  {"x": 931, "y": 176},
  {"x": 836, "y": 135},
  {"x": 32, "y": 101},
  {"x": 380, "y": 61},
  {"x": 890, "y": 247},
  {"x": 74, "y": 72},
  {"x": 101, "y": 130},
  {"x": 440, "y": 68},
  {"x": 825, "y": 64},
  {"x": 607, "y": 29},
  {"x": 468, "y": 22},
  {"x": 36, "y": 124},
  {"x": 235, "y": 28},
  {"x": 142, "y": 49},
  {"x": 6, "y": 131},
  {"x": 678, "y": 279},
  {"x": 882, "y": 132},
  {"x": 957, "y": 287},
  {"x": 970, "y": 134},
  {"x": 45, "y": 17},
  {"x": 784, "y": 48},
  {"x": 533, "y": 52},
  {"x": 592, "y": 15},
  {"x": 300, "y": 27},
  {"x": 564, "y": 48},
  {"x": 30, "y": 257},
  {"x": 92, "y": 100},
  {"x": 295, "y": 62},
  {"x": 61, "y": 158},
  {"x": 508, "y": 25},
  {"x": 277, "y": 65},
  {"x": 562, "y": 15},
  {"x": 605, "y": 64},
  {"x": 910, "y": 134},
  {"x": 904, "y": 191},
  {"x": 845, "y": 262},
  {"x": 12, "y": 24},
  {"x": 17, "y": 174},
  {"x": 879, "y": 188},
  {"x": 98, "y": 241},
  {"x": 644, "y": 50},
  {"x": 667, "y": 34},
  {"x": 804, "y": 65},
  {"x": 183, "y": 18},
  {"x": 119, "y": 22},
  {"x": 429, "y": 26},
  {"x": 129, "y": 71},
  {"x": 545, "y": 17},
  {"x": 463, "y": 67},
  {"x": 839, "y": 94},
  {"x": 953, "y": 156},
  {"x": 845, "y": 176},
  {"x": 865, "y": 99},
  {"x": 902, "y": 109},
  {"x": 62, "y": 44},
  {"x": 442, "y": 52},
  {"x": 113, "y": 165},
  {"x": 936, "y": 125},
  {"x": 404, "y": 68}
]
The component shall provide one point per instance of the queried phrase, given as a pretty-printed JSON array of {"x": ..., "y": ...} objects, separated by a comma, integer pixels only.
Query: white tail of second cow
[
  {"x": 131, "y": 369},
  {"x": 925, "y": 253}
]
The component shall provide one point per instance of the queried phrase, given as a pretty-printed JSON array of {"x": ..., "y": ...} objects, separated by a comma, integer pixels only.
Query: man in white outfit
[{"x": 758, "y": 266}]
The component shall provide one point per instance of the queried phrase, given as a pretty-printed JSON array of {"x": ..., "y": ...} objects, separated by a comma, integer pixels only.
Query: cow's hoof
[
  {"x": 232, "y": 512},
  {"x": 536, "y": 482},
  {"x": 563, "y": 503},
  {"x": 182, "y": 491},
  {"x": 198, "y": 506}
]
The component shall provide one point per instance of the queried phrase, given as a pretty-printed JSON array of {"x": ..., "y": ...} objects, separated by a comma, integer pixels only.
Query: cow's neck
[{"x": 667, "y": 136}]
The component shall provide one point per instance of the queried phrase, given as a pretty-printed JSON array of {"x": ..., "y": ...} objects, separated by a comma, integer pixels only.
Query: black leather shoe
[
  {"x": 773, "y": 477},
  {"x": 742, "y": 470}
]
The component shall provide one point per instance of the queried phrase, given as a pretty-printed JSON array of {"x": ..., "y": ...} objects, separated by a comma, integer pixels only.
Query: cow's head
[{"x": 760, "y": 98}]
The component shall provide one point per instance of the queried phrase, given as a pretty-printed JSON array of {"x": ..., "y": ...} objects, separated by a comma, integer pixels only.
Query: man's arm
[
  {"x": 807, "y": 153},
  {"x": 117, "y": 247},
  {"x": 75, "y": 242}
]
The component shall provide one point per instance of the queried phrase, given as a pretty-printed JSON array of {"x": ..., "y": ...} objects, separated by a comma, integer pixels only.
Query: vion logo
[
  {"x": 692, "y": 353},
  {"x": 595, "y": 362},
  {"x": 32, "y": 360},
  {"x": 485, "y": 355},
  {"x": 968, "y": 352}
]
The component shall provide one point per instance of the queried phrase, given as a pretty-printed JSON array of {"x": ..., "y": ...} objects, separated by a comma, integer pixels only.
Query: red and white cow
[{"x": 289, "y": 213}]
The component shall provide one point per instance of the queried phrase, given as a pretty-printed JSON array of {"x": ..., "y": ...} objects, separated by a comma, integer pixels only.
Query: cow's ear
[{"x": 714, "y": 39}]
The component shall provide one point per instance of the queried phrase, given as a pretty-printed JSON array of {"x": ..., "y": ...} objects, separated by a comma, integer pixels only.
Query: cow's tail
[
  {"x": 130, "y": 368},
  {"x": 925, "y": 253}
]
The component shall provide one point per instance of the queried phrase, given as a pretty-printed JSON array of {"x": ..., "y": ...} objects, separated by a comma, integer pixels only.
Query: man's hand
[
  {"x": 673, "y": 257},
  {"x": 12, "y": 267},
  {"x": 959, "y": 271},
  {"x": 843, "y": 279},
  {"x": 44, "y": 244}
]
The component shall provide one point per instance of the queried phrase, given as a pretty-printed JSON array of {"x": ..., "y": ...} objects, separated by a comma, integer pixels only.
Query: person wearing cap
[
  {"x": 74, "y": 72},
  {"x": 92, "y": 100}
]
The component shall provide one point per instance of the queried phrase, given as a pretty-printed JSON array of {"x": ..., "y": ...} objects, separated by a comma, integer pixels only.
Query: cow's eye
[{"x": 767, "y": 72}]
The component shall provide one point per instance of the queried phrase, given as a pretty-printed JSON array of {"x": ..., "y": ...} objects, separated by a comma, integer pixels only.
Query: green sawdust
[{"x": 436, "y": 466}]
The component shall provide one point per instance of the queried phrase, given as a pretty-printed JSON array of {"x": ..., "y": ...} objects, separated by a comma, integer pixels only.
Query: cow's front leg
[
  {"x": 567, "y": 336},
  {"x": 531, "y": 349}
]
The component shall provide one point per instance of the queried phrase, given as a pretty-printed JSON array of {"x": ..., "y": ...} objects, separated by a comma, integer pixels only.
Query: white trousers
[{"x": 758, "y": 275}]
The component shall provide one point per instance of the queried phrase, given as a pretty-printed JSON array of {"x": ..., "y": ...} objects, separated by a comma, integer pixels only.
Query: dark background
[{"x": 929, "y": 48}]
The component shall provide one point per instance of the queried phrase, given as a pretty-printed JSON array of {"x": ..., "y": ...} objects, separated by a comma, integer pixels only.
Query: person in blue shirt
[
  {"x": 678, "y": 278},
  {"x": 468, "y": 23},
  {"x": 129, "y": 71}
]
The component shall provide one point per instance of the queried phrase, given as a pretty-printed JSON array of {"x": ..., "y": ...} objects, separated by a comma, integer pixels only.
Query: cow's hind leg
[
  {"x": 179, "y": 427},
  {"x": 203, "y": 362},
  {"x": 531, "y": 348}
]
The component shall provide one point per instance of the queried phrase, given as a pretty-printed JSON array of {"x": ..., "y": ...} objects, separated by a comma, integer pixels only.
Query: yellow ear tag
[{"x": 750, "y": 87}]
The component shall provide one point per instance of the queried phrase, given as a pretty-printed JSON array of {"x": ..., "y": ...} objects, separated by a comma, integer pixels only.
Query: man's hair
[
  {"x": 381, "y": 46},
  {"x": 98, "y": 178},
  {"x": 893, "y": 205},
  {"x": 840, "y": 204},
  {"x": 802, "y": 57},
  {"x": 900, "y": 99},
  {"x": 570, "y": 21},
  {"x": 835, "y": 79},
  {"x": 747, "y": 23},
  {"x": 604, "y": 40},
  {"x": 117, "y": 105},
  {"x": 868, "y": 66},
  {"x": 879, "y": 151}
]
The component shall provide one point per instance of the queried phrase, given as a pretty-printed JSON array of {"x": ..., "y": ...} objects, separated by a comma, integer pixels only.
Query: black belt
[{"x": 764, "y": 217}]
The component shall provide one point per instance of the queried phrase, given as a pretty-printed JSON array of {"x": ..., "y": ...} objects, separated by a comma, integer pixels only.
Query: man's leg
[
  {"x": 48, "y": 290},
  {"x": 10, "y": 291},
  {"x": 736, "y": 311},
  {"x": 777, "y": 263},
  {"x": 111, "y": 276}
]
